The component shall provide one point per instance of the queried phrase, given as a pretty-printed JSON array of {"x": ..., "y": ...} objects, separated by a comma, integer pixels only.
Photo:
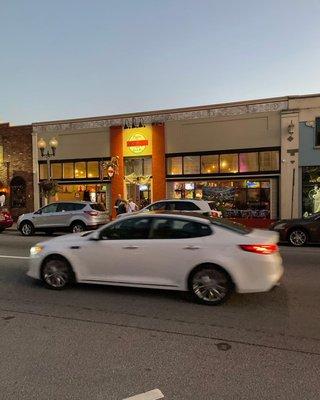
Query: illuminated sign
[{"x": 137, "y": 142}]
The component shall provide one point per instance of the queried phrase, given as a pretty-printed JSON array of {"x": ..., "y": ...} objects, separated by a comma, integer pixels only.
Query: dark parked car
[
  {"x": 299, "y": 231},
  {"x": 6, "y": 220}
]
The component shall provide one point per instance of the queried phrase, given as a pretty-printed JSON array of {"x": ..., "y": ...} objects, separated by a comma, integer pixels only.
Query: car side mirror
[{"x": 38, "y": 212}]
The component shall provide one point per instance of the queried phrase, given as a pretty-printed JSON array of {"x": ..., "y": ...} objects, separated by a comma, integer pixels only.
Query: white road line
[
  {"x": 152, "y": 395},
  {"x": 17, "y": 257}
]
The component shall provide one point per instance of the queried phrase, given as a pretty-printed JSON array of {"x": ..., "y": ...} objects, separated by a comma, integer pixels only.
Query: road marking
[
  {"x": 17, "y": 257},
  {"x": 152, "y": 395}
]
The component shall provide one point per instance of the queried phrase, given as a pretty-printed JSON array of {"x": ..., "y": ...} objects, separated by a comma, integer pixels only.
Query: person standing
[
  {"x": 2, "y": 199},
  {"x": 117, "y": 203},
  {"x": 132, "y": 207},
  {"x": 122, "y": 207}
]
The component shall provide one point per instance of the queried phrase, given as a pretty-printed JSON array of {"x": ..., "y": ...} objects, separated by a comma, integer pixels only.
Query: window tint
[
  {"x": 135, "y": 228},
  {"x": 170, "y": 228},
  {"x": 77, "y": 206},
  {"x": 185, "y": 206},
  {"x": 158, "y": 206},
  {"x": 65, "y": 207},
  {"x": 49, "y": 209},
  {"x": 98, "y": 207}
]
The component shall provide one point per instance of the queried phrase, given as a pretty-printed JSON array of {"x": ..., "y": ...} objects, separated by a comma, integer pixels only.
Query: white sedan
[{"x": 211, "y": 258}]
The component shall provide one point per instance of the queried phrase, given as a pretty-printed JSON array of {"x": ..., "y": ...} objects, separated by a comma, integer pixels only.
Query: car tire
[
  {"x": 210, "y": 284},
  {"x": 297, "y": 237},
  {"x": 78, "y": 226},
  {"x": 2, "y": 229},
  {"x": 56, "y": 273},
  {"x": 26, "y": 228}
]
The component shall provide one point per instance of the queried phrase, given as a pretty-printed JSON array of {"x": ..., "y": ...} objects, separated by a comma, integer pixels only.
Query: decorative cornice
[{"x": 214, "y": 112}]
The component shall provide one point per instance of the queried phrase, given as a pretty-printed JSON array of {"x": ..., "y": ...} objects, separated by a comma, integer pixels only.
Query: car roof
[
  {"x": 185, "y": 215},
  {"x": 189, "y": 200},
  {"x": 72, "y": 202}
]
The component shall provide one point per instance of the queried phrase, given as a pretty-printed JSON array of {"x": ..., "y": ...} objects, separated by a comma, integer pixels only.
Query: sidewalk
[{"x": 13, "y": 227}]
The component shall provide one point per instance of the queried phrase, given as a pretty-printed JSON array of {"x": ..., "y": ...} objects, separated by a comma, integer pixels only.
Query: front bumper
[{"x": 34, "y": 267}]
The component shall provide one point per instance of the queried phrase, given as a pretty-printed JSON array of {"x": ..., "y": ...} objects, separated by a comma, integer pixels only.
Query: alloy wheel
[
  {"x": 26, "y": 229},
  {"x": 210, "y": 285},
  {"x": 77, "y": 228},
  {"x": 56, "y": 274},
  {"x": 298, "y": 237}
]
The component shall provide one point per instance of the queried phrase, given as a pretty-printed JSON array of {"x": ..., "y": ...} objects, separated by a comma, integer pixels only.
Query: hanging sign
[{"x": 137, "y": 142}]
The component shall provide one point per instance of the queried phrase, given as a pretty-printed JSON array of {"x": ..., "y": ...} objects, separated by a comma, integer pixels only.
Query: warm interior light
[
  {"x": 223, "y": 164},
  {"x": 53, "y": 143}
]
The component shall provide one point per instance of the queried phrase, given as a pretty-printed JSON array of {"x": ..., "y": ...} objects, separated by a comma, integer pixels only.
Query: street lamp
[{"x": 42, "y": 146}]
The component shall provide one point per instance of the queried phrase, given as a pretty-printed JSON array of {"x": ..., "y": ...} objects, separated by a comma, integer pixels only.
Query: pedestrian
[
  {"x": 117, "y": 203},
  {"x": 132, "y": 207},
  {"x": 122, "y": 207},
  {"x": 2, "y": 199}
]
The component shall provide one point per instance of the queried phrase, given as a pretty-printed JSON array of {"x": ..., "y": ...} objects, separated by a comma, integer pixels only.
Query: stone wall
[{"x": 16, "y": 142}]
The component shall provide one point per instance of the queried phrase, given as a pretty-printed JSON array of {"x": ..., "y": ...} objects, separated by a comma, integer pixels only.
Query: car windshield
[{"x": 232, "y": 226}]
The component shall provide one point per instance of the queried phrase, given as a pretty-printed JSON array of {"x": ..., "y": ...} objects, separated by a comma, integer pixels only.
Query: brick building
[{"x": 16, "y": 168}]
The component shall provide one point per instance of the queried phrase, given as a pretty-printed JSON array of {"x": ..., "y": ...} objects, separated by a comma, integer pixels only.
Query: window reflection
[
  {"x": 68, "y": 172},
  {"x": 80, "y": 170},
  {"x": 174, "y": 165},
  {"x": 56, "y": 171},
  {"x": 93, "y": 169},
  {"x": 229, "y": 163}
]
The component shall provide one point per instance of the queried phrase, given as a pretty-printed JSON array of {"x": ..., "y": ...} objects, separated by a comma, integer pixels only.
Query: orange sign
[{"x": 137, "y": 142}]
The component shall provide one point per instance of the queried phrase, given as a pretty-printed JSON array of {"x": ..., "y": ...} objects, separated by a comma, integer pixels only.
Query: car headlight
[
  {"x": 37, "y": 249},
  {"x": 280, "y": 226}
]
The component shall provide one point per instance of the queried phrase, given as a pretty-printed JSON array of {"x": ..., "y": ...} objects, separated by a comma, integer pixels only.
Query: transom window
[{"x": 225, "y": 163}]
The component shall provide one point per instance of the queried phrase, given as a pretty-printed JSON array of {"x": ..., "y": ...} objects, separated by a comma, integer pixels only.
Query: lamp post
[{"x": 42, "y": 146}]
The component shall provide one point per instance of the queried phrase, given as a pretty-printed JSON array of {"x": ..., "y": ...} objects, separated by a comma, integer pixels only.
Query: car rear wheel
[
  {"x": 27, "y": 229},
  {"x": 77, "y": 227},
  {"x": 298, "y": 237},
  {"x": 56, "y": 273},
  {"x": 210, "y": 285}
]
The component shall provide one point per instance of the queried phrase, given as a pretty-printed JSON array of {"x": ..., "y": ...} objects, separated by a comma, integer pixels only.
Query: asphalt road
[{"x": 94, "y": 342}]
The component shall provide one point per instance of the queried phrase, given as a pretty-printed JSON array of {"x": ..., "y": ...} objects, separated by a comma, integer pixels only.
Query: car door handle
[
  {"x": 191, "y": 247},
  {"x": 130, "y": 247}
]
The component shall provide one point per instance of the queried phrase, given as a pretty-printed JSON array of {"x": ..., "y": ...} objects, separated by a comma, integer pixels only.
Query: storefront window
[
  {"x": 56, "y": 170},
  {"x": 229, "y": 163},
  {"x": 310, "y": 190},
  {"x": 133, "y": 166},
  {"x": 68, "y": 172},
  {"x": 80, "y": 170},
  {"x": 235, "y": 198},
  {"x": 210, "y": 164},
  {"x": 191, "y": 165},
  {"x": 147, "y": 166},
  {"x": 248, "y": 162},
  {"x": 93, "y": 169},
  {"x": 174, "y": 165},
  {"x": 269, "y": 160},
  {"x": 43, "y": 171}
]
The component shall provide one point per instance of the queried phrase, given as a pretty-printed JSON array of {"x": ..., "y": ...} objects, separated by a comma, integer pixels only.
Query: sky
[{"x": 81, "y": 58}]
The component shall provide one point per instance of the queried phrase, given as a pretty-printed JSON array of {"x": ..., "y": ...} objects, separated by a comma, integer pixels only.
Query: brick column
[
  {"x": 158, "y": 163},
  {"x": 116, "y": 149}
]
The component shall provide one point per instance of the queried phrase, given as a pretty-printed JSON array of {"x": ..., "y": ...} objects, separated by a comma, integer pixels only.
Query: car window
[
  {"x": 185, "y": 206},
  {"x": 171, "y": 228},
  {"x": 65, "y": 207},
  {"x": 49, "y": 209},
  {"x": 133, "y": 228},
  {"x": 158, "y": 206},
  {"x": 77, "y": 206},
  {"x": 230, "y": 225},
  {"x": 98, "y": 206}
]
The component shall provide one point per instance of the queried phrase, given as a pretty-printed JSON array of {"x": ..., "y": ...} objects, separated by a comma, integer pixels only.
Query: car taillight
[
  {"x": 260, "y": 248},
  {"x": 92, "y": 213}
]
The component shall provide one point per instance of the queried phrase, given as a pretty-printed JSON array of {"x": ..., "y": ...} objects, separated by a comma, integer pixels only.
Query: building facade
[
  {"x": 227, "y": 153},
  {"x": 16, "y": 168}
]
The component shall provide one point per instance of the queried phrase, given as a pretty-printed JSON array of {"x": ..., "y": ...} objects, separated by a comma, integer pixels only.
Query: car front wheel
[
  {"x": 210, "y": 285},
  {"x": 56, "y": 273},
  {"x": 27, "y": 229},
  {"x": 298, "y": 237}
]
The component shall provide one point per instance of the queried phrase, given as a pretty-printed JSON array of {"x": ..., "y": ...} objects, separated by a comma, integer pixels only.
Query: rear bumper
[
  {"x": 6, "y": 223},
  {"x": 261, "y": 276}
]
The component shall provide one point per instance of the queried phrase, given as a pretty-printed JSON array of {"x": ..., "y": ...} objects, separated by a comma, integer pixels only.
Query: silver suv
[{"x": 74, "y": 216}]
